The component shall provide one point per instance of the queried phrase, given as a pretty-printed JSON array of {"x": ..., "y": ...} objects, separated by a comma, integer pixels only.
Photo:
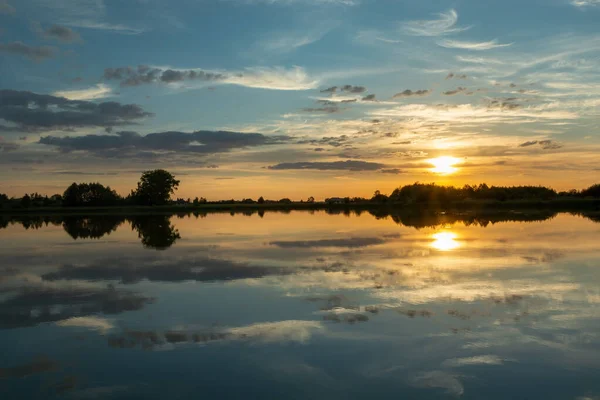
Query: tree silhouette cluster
[{"x": 156, "y": 187}]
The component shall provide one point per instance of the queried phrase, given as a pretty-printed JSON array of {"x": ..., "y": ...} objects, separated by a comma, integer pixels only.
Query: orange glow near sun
[{"x": 444, "y": 165}]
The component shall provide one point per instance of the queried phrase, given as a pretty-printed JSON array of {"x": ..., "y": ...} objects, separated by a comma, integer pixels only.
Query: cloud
[
  {"x": 199, "y": 142},
  {"x": 440, "y": 379},
  {"x": 6, "y": 8},
  {"x": 452, "y": 75},
  {"x": 369, "y": 97},
  {"x": 331, "y": 89},
  {"x": 456, "y": 91},
  {"x": 478, "y": 46},
  {"x": 585, "y": 3},
  {"x": 444, "y": 25},
  {"x": 392, "y": 170},
  {"x": 476, "y": 360},
  {"x": 286, "y": 42},
  {"x": 281, "y": 331},
  {"x": 35, "y": 53},
  {"x": 303, "y": 2},
  {"x": 410, "y": 93},
  {"x": 344, "y": 242},
  {"x": 544, "y": 144},
  {"x": 348, "y": 165},
  {"x": 129, "y": 271},
  {"x": 95, "y": 92},
  {"x": 31, "y": 111},
  {"x": 327, "y": 110},
  {"x": 58, "y": 32},
  {"x": 7, "y": 146},
  {"x": 353, "y": 89},
  {"x": 104, "y": 26},
  {"x": 262, "y": 78},
  {"x": 94, "y": 323}
]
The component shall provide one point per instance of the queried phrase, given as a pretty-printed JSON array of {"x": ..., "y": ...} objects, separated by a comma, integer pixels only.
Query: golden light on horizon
[
  {"x": 445, "y": 241},
  {"x": 444, "y": 165}
]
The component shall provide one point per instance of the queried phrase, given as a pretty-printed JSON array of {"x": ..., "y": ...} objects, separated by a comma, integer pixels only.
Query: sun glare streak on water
[{"x": 445, "y": 241}]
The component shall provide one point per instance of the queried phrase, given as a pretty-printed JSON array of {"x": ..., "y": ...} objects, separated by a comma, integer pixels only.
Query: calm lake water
[{"x": 300, "y": 305}]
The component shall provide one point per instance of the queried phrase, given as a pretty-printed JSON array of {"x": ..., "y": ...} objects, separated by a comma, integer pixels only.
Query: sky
[{"x": 298, "y": 98}]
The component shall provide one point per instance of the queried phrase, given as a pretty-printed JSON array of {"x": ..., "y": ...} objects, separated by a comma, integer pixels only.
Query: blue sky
[{"x": 510, "y": 89}]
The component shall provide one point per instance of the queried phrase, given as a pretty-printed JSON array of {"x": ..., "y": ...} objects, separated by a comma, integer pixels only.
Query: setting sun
[{"x": 444, "y": 164}]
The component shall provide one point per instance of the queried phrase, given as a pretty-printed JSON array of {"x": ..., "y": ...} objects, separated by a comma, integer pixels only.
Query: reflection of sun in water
[
  {"x": 444, "y": 165},
  {"x": 445, "y": 241}
]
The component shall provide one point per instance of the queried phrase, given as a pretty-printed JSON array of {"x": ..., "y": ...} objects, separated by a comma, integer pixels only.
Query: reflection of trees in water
[
  {"x": 155, "y": 231},
  {"x": 91, "y": 227}
]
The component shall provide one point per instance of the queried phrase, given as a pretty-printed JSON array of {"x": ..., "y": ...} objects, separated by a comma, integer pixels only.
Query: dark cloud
[
  {"x": 199, "y": 142},
  {"x": 143, "y": 74},
  {"x": 6, "y": 8},
  {"x": 327, "y": 109},
  {"x": 452, "y": 75},
  {"x": 456, "y": 91},
  {"x": 508, "y": 103},
  {"x": 30, "y": 112},
  {"x": 36, "y": 366},
  {"x": 348, "y": 165},
  {"x": 35, "y": 53},
  {"x": 342, "y": 242},
  {"x": 513, "y": 85},
  {"x": 410, "y": 93},
  {"x": 391, "y": 171},
  {"x": 334, "y": 141},
  {"x": 544, "y": 144},
  {"x": 332, "y": 89},
  {"x": 353, "y": 89},
  {"x": 369, "y": 97},
  {"x": 62, "y": 33}
]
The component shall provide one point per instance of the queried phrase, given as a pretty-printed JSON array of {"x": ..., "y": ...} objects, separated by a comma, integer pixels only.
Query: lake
[{"x": 300, "y": 305}]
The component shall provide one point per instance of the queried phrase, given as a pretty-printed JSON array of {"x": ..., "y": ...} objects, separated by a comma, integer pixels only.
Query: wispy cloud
[
  {"x": 302, "y": 2},
  {"x": 6, "y": 8},
  {"x": 478, "y": 46},
  {"x": 95, "y": 92},
  {"x": 585, "y": 3},
  {"x": 444, "y": 25},
  {"x": 290, "y": 41},
  {"x": 104, "y": 26},
  {"x": 36, "y": 53}
]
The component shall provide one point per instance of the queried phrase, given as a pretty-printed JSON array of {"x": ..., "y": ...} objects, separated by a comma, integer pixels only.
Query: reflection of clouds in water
[
  {"x": 36, "y": 366},
  {"x": 99, "y": 324},
  {"x": 441, "y": 380},
  {"x": 299, "y": 331},
  {"x": 475, "y": 360}
]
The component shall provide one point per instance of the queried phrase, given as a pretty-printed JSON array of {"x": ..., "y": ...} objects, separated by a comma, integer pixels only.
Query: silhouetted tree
[
  {"x": 155, "y": 188},
  {"x": 592, "y": 191},
  {"x": 89, "y": 194},
  {"x": 310, "y": 200},
  {"x": 261, "y": 200},
  {"x": 26, "y": 201}
]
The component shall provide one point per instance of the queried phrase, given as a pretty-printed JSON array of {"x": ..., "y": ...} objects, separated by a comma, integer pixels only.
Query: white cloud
[
  {"x": 95, "y": 92},
  {"x": 440, "y": 379},
  {"x": 478, "y": 46},
  {"x": 445, "y": 25}
]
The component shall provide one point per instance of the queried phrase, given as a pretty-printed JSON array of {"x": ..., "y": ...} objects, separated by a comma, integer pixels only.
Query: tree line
[{"x": 156, "y": 187}]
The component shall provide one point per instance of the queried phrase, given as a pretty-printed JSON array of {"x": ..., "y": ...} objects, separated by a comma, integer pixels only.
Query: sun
[
  {"x": 444, "y": 165},
  {"x": 445, "y": 241}
]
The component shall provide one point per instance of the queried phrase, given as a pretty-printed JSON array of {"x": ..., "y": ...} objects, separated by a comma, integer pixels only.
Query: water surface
[{"x": 300, "y": 305}]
